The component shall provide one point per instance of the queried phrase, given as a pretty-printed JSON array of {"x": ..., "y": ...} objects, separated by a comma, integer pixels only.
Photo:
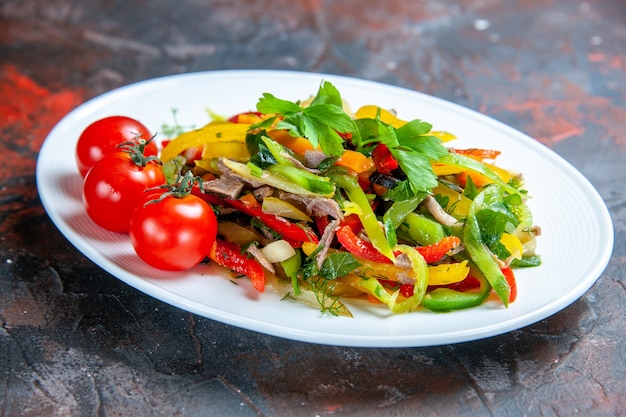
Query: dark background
[{"x": 76, "y": 341}]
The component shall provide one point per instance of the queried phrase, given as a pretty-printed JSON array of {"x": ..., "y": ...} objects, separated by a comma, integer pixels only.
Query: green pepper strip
[
  {"x": 396, "y": 214},
  {"x": 275, "y": 180},
  {"x": 446, "y": 299},
  {"x": 301, "y": 177},
  {"x": 420, "y": 267},
  {"x": 366, "y": 214},
  {"x": 482, "y": 257}
]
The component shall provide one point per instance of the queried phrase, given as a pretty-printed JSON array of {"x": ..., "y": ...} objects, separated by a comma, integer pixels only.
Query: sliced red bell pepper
[
  {"x": 436, "y": 251},
  {"x": 229, "y": 255},
  {"x": 510, "y": 279},
  {"x": 364, "y": 249},
  {"x": 357, "y": 246},
  {"x": 289, "y": 231},
  {"x": 406, "y": 290},
  {"x": 383, "y": 159}
]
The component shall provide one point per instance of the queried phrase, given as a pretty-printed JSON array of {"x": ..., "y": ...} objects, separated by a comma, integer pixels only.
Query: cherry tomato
[
  {"x": 114, "y": 186},
  {"x": 174, "y": 233},
  {"x": 103, "y": 136}
]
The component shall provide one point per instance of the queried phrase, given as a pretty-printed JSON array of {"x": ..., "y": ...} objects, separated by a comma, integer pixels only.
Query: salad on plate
[{"x": 317, "y": 202}]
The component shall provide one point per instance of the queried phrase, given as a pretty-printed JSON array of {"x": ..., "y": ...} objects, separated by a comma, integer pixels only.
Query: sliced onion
[
  {"x": 278, "y": 251},
  {"x": 282, "y": 208}
]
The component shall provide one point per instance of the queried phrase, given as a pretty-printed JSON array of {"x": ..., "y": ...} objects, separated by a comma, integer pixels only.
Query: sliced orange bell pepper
[
  {"x": 297, "y": 144},
  {"x": 356, "y": 161}
]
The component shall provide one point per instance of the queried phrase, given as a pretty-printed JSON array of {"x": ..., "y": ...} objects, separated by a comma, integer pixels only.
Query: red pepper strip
[
  {"x": 321, "y": 222},
  {"x": 436, "y": 251},
  {"x": 289, "y": 231},
  {"x": 345, "y": 136},
  {"x": 406, "y": 290},
  {"x": 384, "y": 161},
  {"x": 364, "y": 249},
  {"x": 357, "y": 246},
  {"x": 229, "y": 255},
  {"x": 510, "y": 279}
]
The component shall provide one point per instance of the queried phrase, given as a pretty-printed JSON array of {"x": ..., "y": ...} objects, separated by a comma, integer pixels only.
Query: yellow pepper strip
[
  {"x": 235, "y": 150},
  {"x": 445, "y": 274},
  {"x": 458, "y": 204},
  {"x": 308, "y": 248},
  {"x": 513, "y": 244},
  {"x": 481, "y": 180},
  {"x": 212, "y": 133},
  {"x": 372, "y": 112},
  {"x": 440, "y": 169},
  {"x": 356, "y": 161},
  {"x": 297, "y": 144},
  {"x": 444, "y": 136}
]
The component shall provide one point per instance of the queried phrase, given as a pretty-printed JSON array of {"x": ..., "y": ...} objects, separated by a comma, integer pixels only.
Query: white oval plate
[{"x": 576, "y": 244}]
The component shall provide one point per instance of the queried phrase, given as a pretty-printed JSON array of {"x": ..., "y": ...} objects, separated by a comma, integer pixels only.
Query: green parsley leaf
[
  {"x": 338, "y": 264},
  {"x": 470, "y": 191},
  {"x": 401, "y": 192},
  {"x": 328, "y": 94},
  {"x": 417, "y": 168},
  {"x": 269, "y": 104},
  {"x": 261, "y": 155}
]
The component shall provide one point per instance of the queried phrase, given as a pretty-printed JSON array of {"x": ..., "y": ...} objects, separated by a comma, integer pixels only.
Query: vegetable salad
[{"x": 324, "y": 204}]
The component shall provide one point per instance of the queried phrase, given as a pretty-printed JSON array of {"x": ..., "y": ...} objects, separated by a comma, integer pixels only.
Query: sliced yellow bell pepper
[
  {"x": 445, "y": 274},
  {"x": 371, "y": 112},
  {"x": 235, "y": 150},
  {"x": 211, "y": 133},
  {"x": 513, "y": 244},
  {"x": 458, "y": 204},
  {"x": 444, "y": 136}
]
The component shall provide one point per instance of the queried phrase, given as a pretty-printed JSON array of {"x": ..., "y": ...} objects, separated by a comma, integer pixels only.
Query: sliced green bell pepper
[
  {"x": 367, "y": 216},
  {"x": 478, "y": 251},
  {"x": 446, "y": 299}
]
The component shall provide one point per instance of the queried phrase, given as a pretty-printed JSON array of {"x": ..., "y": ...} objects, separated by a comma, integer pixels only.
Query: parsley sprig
[
  {"x": 413, "y": 148},
  {"x": 321, "y": 122}
]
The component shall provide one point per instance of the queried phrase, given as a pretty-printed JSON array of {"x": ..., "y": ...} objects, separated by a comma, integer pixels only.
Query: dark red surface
[{"x": 77, "y": 342}]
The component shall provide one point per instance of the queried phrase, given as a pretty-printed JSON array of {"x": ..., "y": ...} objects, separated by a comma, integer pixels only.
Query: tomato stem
[{"x": 136, "y": 150}]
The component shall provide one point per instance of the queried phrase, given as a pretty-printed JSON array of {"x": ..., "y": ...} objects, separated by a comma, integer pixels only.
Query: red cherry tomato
[
  {"x": 174, "y": 233},
  {"x": 103, "y": 136},
  {"x": 114, "y": 186}
]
